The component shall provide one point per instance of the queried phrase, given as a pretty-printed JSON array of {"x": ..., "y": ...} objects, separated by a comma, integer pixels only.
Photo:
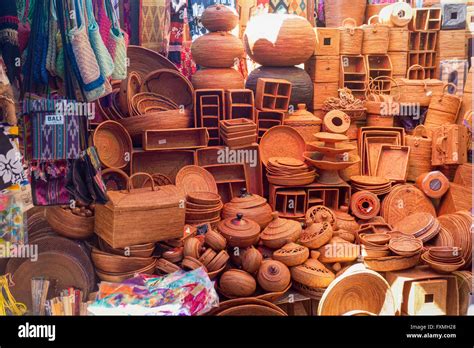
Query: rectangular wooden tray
[
  {"x": 393, "y": 162},
  {"x": 175, "y": 139}
]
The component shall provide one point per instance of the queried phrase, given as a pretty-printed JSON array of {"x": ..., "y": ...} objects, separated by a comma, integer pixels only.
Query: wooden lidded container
[{"x": 304, "y": 122}]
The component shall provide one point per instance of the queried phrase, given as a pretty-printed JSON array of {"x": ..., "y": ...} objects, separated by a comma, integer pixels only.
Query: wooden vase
[
  {"x": 217, "y": 78},
  {"x": 302, "y": 86},
  {"x": 279, "y": 39},
  {"x": 217, "y": 50}
]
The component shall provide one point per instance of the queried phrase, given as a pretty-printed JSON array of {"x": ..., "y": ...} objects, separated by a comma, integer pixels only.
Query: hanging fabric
[
  {"x": 117, "y": 41},
  {"x": 11, "y": 163},
  {"x": 48, "y": 183},
  {"x": 9, "y": 48},
  {"x": 24, "y": 28},
  {"x": 178, "y": 11},
  {"x": 154, "y": 25}
]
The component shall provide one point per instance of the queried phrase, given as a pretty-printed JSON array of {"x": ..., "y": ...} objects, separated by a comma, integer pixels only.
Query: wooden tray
[
  {"x": 193, "y": 178},
  {"x": 172, "y": 139},
  {"x": 164, "y": 162},
  {"x": 372, "y": 150},
  {"x": 214, "y": 155},
  {"x": 393, "y": 162},
  {"x": 282, "y": 141}
]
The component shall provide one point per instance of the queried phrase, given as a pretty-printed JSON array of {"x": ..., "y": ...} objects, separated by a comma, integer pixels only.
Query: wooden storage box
[
  {"x": 452, "y": 44},
  {"x": 272, "y": 94},
  {"x": 209, "y": 109},
  {"x": 323, "y": 68},
  {"x": 426, "y": 19},
  {"x": 267, "y": 120},
  {"x": 327, "y": 42},
  {"x": 169, "y": 139},
  {"x": 141, "y": 216},
  {"x": 354, "y": 74},
  {"x": 322, "y": 91},
  {"x": 449, "y": 145},
  {"x": 240, "y": 104}
]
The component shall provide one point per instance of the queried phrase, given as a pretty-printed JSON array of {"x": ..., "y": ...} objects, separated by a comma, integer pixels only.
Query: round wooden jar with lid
[
  {"x": 253, "y": 207},
  {"x": 279, "y": 39},
  {"x": 239, "y": 231},
  {"x": 219, "y": 18},
  {"x": 304, "y": 122},
  {"x": 280, "y": 232},
  {"x": 345, "y": 221}
]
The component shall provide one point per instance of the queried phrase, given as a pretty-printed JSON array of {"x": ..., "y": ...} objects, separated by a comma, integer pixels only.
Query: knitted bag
[
  {"x": 86, "y": 61},
  {"x": 106, "y": 64},
  {"x": 118, "y": 38}
]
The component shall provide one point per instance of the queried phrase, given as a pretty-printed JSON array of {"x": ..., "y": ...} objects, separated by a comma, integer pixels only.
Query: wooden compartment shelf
[
  {"x": 240, "y": 104},
  {"x": 354, "y": 74},
  {"x": 209, "y": 109},
  {"x": 332, "y": 196},
  {"x": 272, "y": 94},
  {"x": 267, "y": 120},
  {"x": 426, "y": 19},
  {"x": 230, "y": 179}
]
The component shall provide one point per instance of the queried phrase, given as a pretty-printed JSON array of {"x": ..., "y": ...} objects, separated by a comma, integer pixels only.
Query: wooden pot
[
  {"x": 219, "y": 18},
  {"x": 217, "y": 78},
  {"x": 302, "y": 86},
  {"x": 217, "y": 50},
  {"x": 279, "y": 39}
]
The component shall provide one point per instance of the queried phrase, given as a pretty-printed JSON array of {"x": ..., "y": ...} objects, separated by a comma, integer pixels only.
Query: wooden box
[
  {"x": 272, "y": 94},
  {"x": 452, "y": 44},
  {"x": 463, "y": 174},
  {"x": 322, "y": 91},
  {"x": 172, "y": 139},
  {"x": 354, "y": 74},
  {"x": 323, "y": 68},
  {"x": 426, "y": 19},
  {"x": 209, "y": 109},
  {"x": 449, "y": 145},
  {"x": 327, "y": 41},
  {"x": 141, "y": 216},
  {"x": 427, "y": 297}
]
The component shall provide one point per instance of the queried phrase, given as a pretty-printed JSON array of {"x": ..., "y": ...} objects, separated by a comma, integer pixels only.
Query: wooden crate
[
  {"x": 452, "y": 44},
  {"x": 426, "y": 19},
  {"x": 267, "y": 120},
  {"x": 327, "y": 42},
  {"x": 379, "y": 66},
  {"x": 322, "y": 91},
  {"x": 175, "y": 139},
  {"x": 323, "y": 68},
  {"x": 458, "y": 197}
]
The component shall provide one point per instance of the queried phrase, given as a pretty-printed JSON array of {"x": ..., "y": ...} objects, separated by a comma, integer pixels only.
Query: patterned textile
[
  {"x": 11, "y": 219},
  {"x": 9, "y": 48},
  {"x": 155, "y": 25},
  {"x": 298, "y": 7},
  {"x": 454, "y": 71},
  {"x": 57, "y": 137},
  {"x": 178, "y": 10},
  {"x": 48, "y": 183},
  {"x": 11, "y": 164},
  {"x": 187, "y": 67}
]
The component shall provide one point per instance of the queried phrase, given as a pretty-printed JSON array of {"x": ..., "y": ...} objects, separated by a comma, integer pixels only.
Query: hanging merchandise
[
  {"x": 117, "y": 46},
  {"x": 8, "y": 304},
  {"x": 48, "y": 183},
  {"x": 154, "y": 25},
  {"x": 9, "y": 48},
  {"x": 11, "y": 218},
  {"x": 7, "y": 102},
  {"x": 178, "y": 11},
  {"x": 11, "y": 165},
  {"x": 106, "y": 64},
  {"x": 24, "y": 28}
]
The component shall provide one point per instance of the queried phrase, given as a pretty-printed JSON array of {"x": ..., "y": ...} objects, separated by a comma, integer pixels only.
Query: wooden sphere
[
  {"x": 217, "y": 50},
  {"x": 279, "y": 39},
  {"x": 219, "y": 18},
  {"x": 302, "y": 86},
  {"x": 212, "y": 78}
]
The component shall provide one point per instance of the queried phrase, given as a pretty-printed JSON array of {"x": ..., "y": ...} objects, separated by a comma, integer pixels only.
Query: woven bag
[
  {"x": 443, "y": 109},
  {"x": 419, "y": 161},
  {"x": 104, "y": 59},
  {"x": 376, "y": 37},
  {"x": 351, "y": 37},
  {"x": 117, "y": 39}
]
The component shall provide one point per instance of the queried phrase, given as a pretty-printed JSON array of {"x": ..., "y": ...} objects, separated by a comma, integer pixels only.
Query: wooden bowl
[
  {"x": 113, "y": 143},
  {"x": 378, "y": 238},
  {"x": 111, "y": 263},
  {"x": 237, "y": 283},
  {"x": 120, "y": 277},
  {"x": 444, "y": 252},
  {"x": 442, "y": 267}
]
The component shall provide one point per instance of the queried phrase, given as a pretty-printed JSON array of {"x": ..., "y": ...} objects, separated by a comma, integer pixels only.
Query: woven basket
[
  {"x": 65, "y": 223},
  {"x": 399, "y": 63},
  {"x": 443, "y": 109},
  {"x": 398, "y": 40},
  {"x": 417, "y": 91},
  {"x": 392, "y": 263},
  {"x": 336, "y": 11},
  {"x": 376, "y": 38},
  {"x": 419, "y": 161},
  {"x": 113, "y": 143},
  {"x": 351, "y": 37}
]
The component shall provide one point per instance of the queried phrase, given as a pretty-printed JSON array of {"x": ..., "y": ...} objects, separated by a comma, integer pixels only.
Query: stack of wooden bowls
[
  {"x": 444, "y": 259},
  {"x": 218, "y": 51},
  {"x": 203, "y": 207},
  {"x": 286, "y": 171}
]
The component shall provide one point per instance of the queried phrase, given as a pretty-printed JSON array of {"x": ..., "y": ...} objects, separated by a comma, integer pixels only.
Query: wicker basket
[
  {"x": 65, "y": 223},
  {"x": 376, "y": 37},
  {"x": 399, "y": 63},
  {"x": 351, "y": 37},
  {"x": 113, "y": 144},
  {"x": 398, "y": 39},
  {"x": 417, "y": 91},
  {"x": 335, "y": 11},
  {"x": 419, "y": 161},
  {"x": 443, "y": 109}
]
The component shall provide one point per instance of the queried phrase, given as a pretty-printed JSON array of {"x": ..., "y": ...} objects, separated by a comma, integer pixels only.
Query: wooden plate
[
  {"x": 370, "y": 180},
  {"x": 195, "y": 179},
  {"x": 281, "y": 141}
]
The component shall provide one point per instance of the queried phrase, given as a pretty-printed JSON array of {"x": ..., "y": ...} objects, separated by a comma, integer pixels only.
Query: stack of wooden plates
[
  {"x": 445, "y": 261},
  {"x": 375, "y": 184},
  {"x": 423, "y": 226},
  {"x": 202, "y": 207},
  {"x": 458, "y": 226},
  {"x": 405, "y": 246},
  {"x": 287, "y": 171}
]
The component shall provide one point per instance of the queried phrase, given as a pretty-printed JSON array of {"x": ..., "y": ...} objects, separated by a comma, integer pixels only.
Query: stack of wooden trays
[
  {"x": 423, "y": 226},
  {"x": 238, "y": 132},
  {"x": 375, "y": 184},
  {"x": 287, "y": 171},
  {"x": 202, "y": 207}
]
